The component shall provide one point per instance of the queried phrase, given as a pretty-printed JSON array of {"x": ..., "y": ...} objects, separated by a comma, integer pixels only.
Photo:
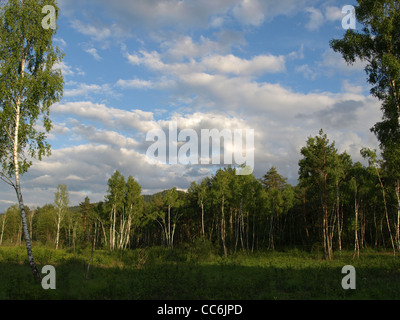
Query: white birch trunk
[
  {"x": 32, "y": 264},
  {"x": 398, "y": 215},
  {"x": 356, "y": 243},
  {"x": 58, "y": 228},
  {"x": 2, "y": 229},
  {"x": 202, "y": 219}
]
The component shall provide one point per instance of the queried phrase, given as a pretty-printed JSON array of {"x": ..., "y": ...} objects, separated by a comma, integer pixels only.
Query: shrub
[{"x": 202, "y": 250}]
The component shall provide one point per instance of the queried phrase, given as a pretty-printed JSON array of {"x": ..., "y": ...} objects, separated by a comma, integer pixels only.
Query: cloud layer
[{"x": 206, "y": 65}]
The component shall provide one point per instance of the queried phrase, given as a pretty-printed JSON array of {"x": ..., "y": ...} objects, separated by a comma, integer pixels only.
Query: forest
[
  {"x": 337, "y": 204},
  {"x": 228, "y": 236}
]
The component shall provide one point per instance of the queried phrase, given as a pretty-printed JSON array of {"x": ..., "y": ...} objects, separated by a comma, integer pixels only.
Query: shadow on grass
[{"x": 186, "y": 281}]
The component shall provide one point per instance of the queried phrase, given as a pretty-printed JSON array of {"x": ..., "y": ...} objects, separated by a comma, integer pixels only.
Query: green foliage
[
  {"x": 201, "y": 250},
  {"x": 378, "y": 45},
  {"x": 29, "y": 84},
  {"x": 45, "y": 224}
]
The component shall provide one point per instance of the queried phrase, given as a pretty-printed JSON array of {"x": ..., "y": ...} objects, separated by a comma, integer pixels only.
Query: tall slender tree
[
  {"x": 274, "y": 185},
  {"x": 29, "y": 85},
  {"x": 3, "y": 219},
  {"x": 115, "y": 205},
  {"x": 222, "y": 193},
  {"x": 373, "y": 162},
  {"x": 133, "y": 209},
  {"x": 61, "y": 201},
  {"x": 317, "y": 170}
]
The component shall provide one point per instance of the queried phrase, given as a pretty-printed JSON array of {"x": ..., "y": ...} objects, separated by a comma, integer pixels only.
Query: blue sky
[{"x": 131, "y": 66}]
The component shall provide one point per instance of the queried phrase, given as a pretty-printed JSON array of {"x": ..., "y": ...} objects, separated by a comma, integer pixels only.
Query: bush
[
  {"x": 13, "y": 254},
  {"x": 202, "y": 250}
]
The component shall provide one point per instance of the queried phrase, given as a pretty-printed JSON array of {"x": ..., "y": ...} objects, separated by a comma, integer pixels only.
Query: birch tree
[
  {"x": 3, "y": 219},
  {"x": 29, "y": 86},
  {"x": 222, "y": 192},
  {"x": 171, "y": 199},
  {"x": 373, "y": 162},
  {"x": 61, "y": 201},
  {"x": 115, "y": 205},
  {"x": 133, "y": 209},
  {"x": 199, "y": 191}
]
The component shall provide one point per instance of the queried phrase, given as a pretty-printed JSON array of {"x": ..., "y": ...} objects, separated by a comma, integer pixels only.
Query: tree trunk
[
  {"x": 202, "y": 219},
  {"x": 356, "y": 244},
  {"x": 172, "y": 235},
  {"x": 58, "y": 229},
  {"x": 223, "y": 227},
  {"x": 2, "y": 228},
  {"x": 305, "y": 217},
  {"x": 241, "y": 226},
  {"x": 237, "y": 227},
  {"x": 376, "y": 229},
  {"x": 338, "y": 219},
  {"x": 35, "y": 271},
  {"x": 169, "y": 226},
  {"x": 398, "y": 214},
  {"x": 254, "y": 233},
  {"x": 386, "y": 212},
  {"x": 271, "y": 233},
  {"x": 114, "y": 230}
]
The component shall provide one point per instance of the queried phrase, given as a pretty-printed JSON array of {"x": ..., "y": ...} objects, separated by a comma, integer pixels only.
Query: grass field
[{"x": 198, "y": 273}]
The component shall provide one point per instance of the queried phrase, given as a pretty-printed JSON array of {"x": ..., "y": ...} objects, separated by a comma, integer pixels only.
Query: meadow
[{"x": 198, "y": 272}]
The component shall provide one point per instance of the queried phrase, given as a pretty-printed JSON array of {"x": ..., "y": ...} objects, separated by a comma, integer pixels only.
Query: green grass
[{"x": 198, "y": 273}]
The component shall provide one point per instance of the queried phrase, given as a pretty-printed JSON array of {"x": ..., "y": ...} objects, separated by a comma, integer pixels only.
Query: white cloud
[
  {"x": 62, "y": 43},
  {"x": 249, "y": 12},
  {"x": 64, "y": 67},
  {"x": 316, "y": 18},
  {"x": 333, "y": 13},
  {"x": 67, "y": 70},
  {"x": 93, "y": 52},
  {"x": 102, "y": 136},
  {"x": 74, "y": 177},
  {"x": 307, "y": 72},
  {"x": 96, "y": 33},
  {"x": 349, "y": 87},
  {"x": 134, "y": 84},
  {"x": 235, "y": 65},
  {"x": 333, "y": 62},
  {"x": 217, "y": 22},
  {"x": 85, "y": 90},
  {"x": 183, "y": 47},
  {"x": 299, "y": 54},
  {"x": 106, "y": 116},
  {"x": 158, "y": 13},
  {"x": 131, "y": 15},
  {"x": 225, "y": 64}
]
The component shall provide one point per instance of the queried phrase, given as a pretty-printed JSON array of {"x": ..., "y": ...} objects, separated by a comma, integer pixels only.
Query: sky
[{"x": 132, "y": 66}]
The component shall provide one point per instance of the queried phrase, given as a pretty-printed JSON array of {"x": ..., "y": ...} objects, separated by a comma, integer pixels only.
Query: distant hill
[{"x": 146, "y": 197}]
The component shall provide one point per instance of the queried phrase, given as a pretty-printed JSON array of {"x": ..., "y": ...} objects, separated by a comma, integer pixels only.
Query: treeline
[{"x": 337, "y": 204}]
